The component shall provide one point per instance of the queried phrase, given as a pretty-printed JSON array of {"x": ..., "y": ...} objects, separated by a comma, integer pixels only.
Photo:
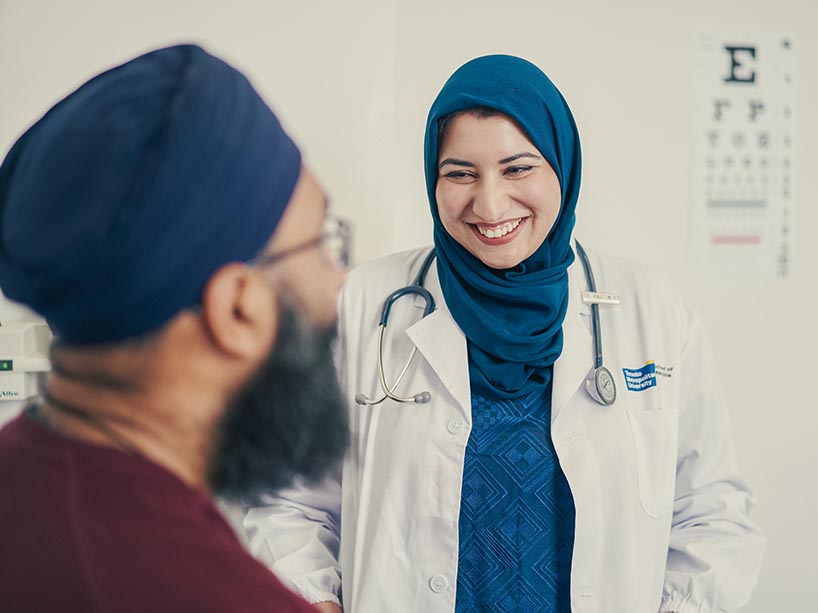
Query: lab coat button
[
  {"x": 455, "y": 426},
  {"x": 438, "y": 583}
]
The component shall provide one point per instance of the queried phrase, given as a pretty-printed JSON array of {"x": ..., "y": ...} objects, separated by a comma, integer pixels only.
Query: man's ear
[{"x": 239, "y": 312}]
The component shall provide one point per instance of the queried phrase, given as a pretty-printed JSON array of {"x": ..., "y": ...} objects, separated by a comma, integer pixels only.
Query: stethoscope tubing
[
  {"x": 600, "y": 383},
  {"x": 589, "y": 278},
  {"x": 415, "y": 288}
]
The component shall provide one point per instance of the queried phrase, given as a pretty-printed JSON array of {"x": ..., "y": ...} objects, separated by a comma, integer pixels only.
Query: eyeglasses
[{"x": 334, "y": 242}]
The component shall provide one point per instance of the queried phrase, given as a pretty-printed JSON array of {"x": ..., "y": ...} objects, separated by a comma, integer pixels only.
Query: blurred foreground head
[{"x": 147, "y": 217}]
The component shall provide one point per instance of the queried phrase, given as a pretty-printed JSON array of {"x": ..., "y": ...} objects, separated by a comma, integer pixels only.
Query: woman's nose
[{"x": 490, "y": 201}]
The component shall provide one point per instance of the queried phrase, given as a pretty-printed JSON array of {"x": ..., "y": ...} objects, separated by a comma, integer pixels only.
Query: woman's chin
[{"x": 498, "y": 258}]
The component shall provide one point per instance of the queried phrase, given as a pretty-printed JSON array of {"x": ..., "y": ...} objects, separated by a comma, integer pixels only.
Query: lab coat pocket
[{"x": 655, "y": 440}]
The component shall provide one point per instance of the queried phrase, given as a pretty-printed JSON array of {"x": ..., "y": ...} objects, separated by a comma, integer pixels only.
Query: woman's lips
[{"x": 498, "y": 234}]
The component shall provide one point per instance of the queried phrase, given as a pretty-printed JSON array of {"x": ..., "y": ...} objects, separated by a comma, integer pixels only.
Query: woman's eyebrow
[
  {"x": 455, "y": 162},
  {"x": 517, "y": 156}
]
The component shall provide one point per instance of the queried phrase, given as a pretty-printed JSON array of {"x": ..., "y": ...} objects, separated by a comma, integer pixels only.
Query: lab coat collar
[
  {"x": 441, "y": 342},
  {"x": 443, "y": 345},
  {"x": 577, "y": 357}
]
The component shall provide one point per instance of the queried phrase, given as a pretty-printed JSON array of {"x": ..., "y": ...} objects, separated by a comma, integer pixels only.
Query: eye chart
[{"x": 742, "y": 162}]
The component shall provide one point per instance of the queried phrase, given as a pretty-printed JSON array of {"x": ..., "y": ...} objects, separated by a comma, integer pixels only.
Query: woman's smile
[{"x": 498, "y": 234}]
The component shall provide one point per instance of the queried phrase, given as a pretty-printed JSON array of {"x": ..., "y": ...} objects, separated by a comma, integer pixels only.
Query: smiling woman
[{"x": 511, "y": 487}]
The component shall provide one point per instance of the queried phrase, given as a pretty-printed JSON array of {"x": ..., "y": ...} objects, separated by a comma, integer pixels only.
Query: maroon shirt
[{"x": 89, "y": 529}]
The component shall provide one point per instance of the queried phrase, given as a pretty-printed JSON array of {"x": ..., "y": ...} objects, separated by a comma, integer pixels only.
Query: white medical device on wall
[{"x": 24, "y": 347}]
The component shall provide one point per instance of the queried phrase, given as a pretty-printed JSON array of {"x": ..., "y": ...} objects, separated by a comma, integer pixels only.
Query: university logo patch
[{"x": 640, "y": 379}]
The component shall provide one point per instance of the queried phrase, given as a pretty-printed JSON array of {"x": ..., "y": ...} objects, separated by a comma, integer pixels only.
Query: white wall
[{"x": 353, "y": 81}]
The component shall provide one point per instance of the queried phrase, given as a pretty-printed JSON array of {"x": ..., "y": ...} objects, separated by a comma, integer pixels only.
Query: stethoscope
[
  {"x": 599, "y": 383},
  {"x": 415, "y": 288}
]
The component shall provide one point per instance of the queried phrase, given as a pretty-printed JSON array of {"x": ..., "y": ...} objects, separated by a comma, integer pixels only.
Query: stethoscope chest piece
[{"x": 600, "y": 386}]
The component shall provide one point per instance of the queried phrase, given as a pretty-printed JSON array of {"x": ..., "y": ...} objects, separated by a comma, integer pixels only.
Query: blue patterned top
[{"x": 517, "y": 512}]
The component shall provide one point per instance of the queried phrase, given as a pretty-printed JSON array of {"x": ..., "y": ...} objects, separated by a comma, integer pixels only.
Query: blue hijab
[{"x": 512, "y": 318}]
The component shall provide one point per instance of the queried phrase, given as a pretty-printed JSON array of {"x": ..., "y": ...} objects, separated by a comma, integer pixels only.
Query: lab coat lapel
[
  {"x": 443, "y": 345},
  {"x": 577, "y": 357}
]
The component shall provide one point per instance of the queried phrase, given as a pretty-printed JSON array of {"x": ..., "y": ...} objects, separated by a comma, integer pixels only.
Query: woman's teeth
[{"x": 498, "y": 231}]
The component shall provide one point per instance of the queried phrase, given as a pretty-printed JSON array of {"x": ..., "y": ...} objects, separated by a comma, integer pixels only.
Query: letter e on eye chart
[{"x": 741, "y": 135}]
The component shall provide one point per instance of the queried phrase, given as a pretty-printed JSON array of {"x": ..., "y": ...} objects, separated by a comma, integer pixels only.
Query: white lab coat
[{"x": 661, "y": 509}]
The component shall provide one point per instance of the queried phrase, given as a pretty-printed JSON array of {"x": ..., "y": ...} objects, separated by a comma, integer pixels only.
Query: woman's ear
[{"x": 240, "y": 312}]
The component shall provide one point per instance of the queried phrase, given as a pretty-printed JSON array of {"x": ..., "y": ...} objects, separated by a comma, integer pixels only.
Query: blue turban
[
  {"x": 119, "y": 204},
  {"x": 511, "y": 318}
]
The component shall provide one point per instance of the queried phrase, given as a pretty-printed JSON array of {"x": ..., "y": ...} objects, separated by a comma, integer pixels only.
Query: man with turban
[{"x": 161, "y": 221}]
